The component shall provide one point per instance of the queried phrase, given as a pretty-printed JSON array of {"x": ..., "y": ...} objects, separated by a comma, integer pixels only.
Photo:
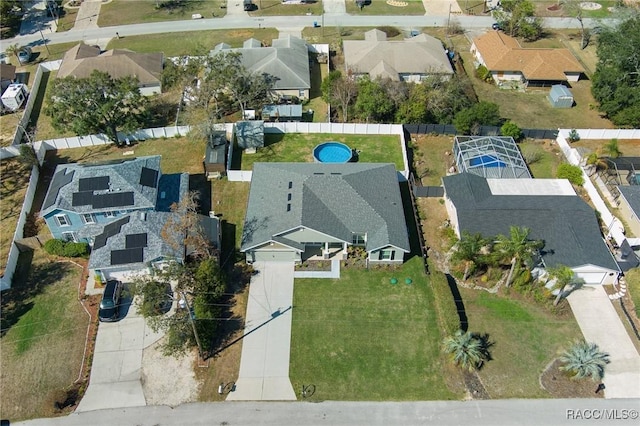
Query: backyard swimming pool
[{"x": 332, "y": 152}]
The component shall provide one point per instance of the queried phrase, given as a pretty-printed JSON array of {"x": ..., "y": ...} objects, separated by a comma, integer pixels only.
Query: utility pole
[
  {"x": 193, "y": 324},
  {"x": 43, "y": 39}
]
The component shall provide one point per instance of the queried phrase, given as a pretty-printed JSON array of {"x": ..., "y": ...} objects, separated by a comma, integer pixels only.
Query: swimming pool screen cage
[{"x": 490, "y": 157}]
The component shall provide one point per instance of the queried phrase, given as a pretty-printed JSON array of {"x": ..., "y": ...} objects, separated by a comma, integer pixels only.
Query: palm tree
[
  {"x": 585, "y": 359},
  {"x": 466, "y": 350},
  {"x": 469, "y": 250},
  {"x": 611, "y": 149},
  {"x": 564, "y": 277},
  {"x": 517, "y": 247},
  {"x": 597, "y": 162},
  {"x": 14, "y": 49}
]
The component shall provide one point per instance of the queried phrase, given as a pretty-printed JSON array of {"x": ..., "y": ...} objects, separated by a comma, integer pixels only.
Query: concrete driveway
[
  {"x": 117, "y": 363},
  {"x": 264, "y": 365},
  {"x": 600, "y": 324}
]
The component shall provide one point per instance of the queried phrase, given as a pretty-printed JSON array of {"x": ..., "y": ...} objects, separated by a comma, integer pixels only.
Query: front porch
[{"x": 325, "y": 251}]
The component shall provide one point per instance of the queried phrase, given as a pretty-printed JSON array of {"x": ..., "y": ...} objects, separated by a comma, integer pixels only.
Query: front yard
[
  {"x": 363, "y": 338},
  {"x": 298, "y": 147}
]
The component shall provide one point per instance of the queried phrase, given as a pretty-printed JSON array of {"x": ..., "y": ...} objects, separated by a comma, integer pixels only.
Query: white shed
[{"x": 15, "y": 96}]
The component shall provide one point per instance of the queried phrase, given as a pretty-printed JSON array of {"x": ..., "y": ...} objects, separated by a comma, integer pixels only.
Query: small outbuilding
[
  {"x": 15, "y": 96},
  {"x": 560, "y": 96},
  {"x": 215, "y": 155},
  {"x": 250, "y": 135},
  {"x": 282, "y": 113}
]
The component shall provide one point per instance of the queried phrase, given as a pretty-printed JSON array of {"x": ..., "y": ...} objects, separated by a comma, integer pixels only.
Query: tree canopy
[
  {"x": 97, "y": 104},
  {"x": 517, "y": 18},
  {"x": 616, "y": 82},
  {"x": 468, "y": 120}
]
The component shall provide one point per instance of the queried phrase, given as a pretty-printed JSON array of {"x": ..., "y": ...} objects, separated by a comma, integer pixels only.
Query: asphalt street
[{"x": 557, "y": 412}]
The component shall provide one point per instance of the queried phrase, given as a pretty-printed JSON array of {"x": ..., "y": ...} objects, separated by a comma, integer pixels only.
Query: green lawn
[
  {"x": 178, "y": 154},
  {"x": 298, "y": 147},
  {"x": 550, "y": 158},
  {"x": 43, "y": 336},
  {"x": 380, "y": 7},
  {"x": 633, "y": 282},
  {"x": 14, "y": 176},
  {"x": 277, "y": 8},
  {"x": 229, "y": 200},
  {"x": 362, "y": 338},
  {"x": 122, "y": 12},
  {"x": 526, "y": 338}
]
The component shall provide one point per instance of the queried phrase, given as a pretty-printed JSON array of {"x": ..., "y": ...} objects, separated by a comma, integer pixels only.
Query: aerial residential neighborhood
[{"x": 223, "y": 211}]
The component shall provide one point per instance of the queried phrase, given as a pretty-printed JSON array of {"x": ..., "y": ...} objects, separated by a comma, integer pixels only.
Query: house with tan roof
[
  {"x": 81, "y": 60},
  {"x": 413, "y": 59},
  {"x": 508, "y": 61}
]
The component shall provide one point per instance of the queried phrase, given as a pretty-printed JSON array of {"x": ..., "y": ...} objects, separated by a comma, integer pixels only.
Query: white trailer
[{"x": 15, "y": 96}]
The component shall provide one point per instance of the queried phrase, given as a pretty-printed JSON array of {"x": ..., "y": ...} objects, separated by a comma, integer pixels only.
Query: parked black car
[{"x": 110, "y": 303}]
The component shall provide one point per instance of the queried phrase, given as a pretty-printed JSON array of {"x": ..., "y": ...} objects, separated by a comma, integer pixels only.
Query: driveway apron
[
  {"x": 600, "y": 324},
  {"x": 264, "y": 365}
]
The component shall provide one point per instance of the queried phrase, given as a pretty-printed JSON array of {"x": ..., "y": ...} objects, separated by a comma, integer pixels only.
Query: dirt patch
[
  {"x": 475, "y": 388},
  {"x": 560, "y": 384},
  {"x": 168, "y": 380}
]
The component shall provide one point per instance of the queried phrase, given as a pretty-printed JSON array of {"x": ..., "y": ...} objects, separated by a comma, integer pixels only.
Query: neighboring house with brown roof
[
  {"x": 413, "y": 59},
  {"x": 81, "y": 60},
  {"x": 508, "y": 61},
  {"x": 7, "y": 76}
]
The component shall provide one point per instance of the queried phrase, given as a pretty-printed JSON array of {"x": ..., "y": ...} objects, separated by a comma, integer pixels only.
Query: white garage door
[{"x": 274, "y": 256}]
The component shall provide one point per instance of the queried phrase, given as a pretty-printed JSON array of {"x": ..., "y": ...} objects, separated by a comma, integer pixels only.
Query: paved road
[
  {"x": 537, "y": 412},
  {"x": 281, "y": 22},
  {"x": 264, "y": 365},
  {"x": 600, "y": 324}
]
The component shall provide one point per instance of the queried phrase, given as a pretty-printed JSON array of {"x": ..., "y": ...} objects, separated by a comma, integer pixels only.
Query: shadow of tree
[{"x": 29, "y": 281}]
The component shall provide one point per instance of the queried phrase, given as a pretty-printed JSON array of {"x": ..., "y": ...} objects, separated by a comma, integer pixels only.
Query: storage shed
[
  {"x": 250, "y": 135},
  {"x": 282, "y": 113},
  {"x": 215, "y": 155},
  {"x": 14, "y": 96},
  {"x": 560, "y": 96}
]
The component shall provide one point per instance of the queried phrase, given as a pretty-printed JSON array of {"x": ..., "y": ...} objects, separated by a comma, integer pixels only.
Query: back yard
[{"x": 298, "y": 147}]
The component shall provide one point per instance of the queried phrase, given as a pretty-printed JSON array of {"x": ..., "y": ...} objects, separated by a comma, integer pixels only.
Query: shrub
[
  {"x": 483, "y": 73},
  {"x": 511, "y": 129},
  {"x": 532, "y": 155},
  {"x": 72, "y": 249},
  {"x": 574, "y": 136},
  {"x": 55, "y": 247},
  {"x": 570, "y": 172}
]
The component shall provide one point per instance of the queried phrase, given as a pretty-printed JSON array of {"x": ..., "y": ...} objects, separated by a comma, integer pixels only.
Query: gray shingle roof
[
  {"x": 377, "y": 56},
  {"x": 124, "y": 178},
  {"x": 148, "y": 223},
  {"x": 566, "y": 224},
  {"x": 287, "y": 59},
  {"x": 335, "y": 199},
  {"x": 250, "y": 133}
]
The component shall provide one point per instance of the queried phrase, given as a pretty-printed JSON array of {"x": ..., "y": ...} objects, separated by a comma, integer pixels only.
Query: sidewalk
[{"x": 600, "y": 324}]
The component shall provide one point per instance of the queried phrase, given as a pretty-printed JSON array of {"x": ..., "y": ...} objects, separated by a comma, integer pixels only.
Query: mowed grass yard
[
  {"x": 43, "y": 335},
  {"x": 380, "y": 7},
  {"x": 363, "y": 338},
  {"x": 122, "y": 12},
  {"x": 277, "y": 8},
  {"x": 298, "y": 147},
  {"x": 178, "y": 154},
  {"x": 14, "y": 179},
  {"x": 527, "y": 337}
]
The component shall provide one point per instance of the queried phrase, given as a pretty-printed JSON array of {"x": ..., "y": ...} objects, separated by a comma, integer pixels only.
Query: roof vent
[
  {"x": 143, "y": 216},
  {"x": 289, "y": 197},
  {"x": 290, "y": 184},
  {"x": 288, "y": 207}
]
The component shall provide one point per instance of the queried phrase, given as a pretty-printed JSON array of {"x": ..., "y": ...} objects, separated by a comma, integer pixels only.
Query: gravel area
[{"x": 168, "y": 380}]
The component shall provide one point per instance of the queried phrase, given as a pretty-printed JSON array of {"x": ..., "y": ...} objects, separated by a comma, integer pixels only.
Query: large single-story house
[
  {"x": 81, "y": 60},
  {"x": 507, "y": 61},
  {"x": 301, "y": 210},
  {"x": 287, "y": 59},
  {"x": 413, "y": 59},
  {"x": 551, "y": 210}
]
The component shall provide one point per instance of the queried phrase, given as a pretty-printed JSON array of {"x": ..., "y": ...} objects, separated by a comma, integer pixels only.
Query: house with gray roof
[
  {"x": 550, "y": 208},
  {"x": 287, "y": 59},
  {"x": 301, "y": 210},
  {"x": 629, "y": 205},
  {"x": 413, "y": 59},
  {"x": 81, "y": 60}
]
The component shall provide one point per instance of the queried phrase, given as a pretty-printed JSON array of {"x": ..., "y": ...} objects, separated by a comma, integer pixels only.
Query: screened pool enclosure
[{"x": 490, "y": 157}]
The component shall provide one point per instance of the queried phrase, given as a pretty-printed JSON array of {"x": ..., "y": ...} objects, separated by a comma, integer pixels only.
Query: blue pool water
[
  {"x": 486, "y": 161},
  {"x": 332, "y": 152}
]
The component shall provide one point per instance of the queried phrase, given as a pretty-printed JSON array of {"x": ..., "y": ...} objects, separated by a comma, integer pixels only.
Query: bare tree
[
  {"x": 183, "y": 228},
  {"x": 345, "y": 90}
]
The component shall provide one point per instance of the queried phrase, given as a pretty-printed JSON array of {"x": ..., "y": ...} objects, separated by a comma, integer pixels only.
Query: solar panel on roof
[
  {"x": 83, "y": 198},
  {"x": 60, "y": 179},
  {"x": 93, "y": 183},
  {"x": 118, "y": 199},
  {"x": 122, "y": 257},
  {"x": 149, "y": 177},
  {"x": 109, "y": 230},
  {"x": 136, "y": 240}
]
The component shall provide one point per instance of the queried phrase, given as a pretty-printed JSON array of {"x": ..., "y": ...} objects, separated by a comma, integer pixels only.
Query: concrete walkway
[
  {"x": 117, "y": 363},
  {"x": 334, "y": 6},
  {"x": 600, "y": 324},
  {"x": 87, "y": 16},
  {"x": 264, "y": 366}
]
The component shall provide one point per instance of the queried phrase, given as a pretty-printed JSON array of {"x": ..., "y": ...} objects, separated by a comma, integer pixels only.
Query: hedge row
[{"x": 66, "y": 249}]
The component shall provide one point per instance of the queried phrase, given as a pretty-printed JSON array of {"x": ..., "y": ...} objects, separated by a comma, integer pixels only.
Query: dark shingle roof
[
  {"x": 71, "y": 186},
  {"x": 632, "y": 195},
  {"x": 566, "y": 224},
  {"x": 335, "y": 199}
]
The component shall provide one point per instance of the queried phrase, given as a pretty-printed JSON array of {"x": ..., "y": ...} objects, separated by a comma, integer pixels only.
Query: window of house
[
  {"x": 109, "y": 214},
  {"x": 386, "y": 254},
  {"x": 69, "y": 236},
  {"x": 358, "y": 239},
  {"x": 88, "y": 218},
  {"x": 62, "y": 220}
]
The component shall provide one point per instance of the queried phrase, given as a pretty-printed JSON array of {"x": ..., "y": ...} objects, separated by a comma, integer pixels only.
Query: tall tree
[
  {"x": 585, "y": 359},
  {"x": 97, "y": 104},
  {"x": 469, "y": 250},
  {"x": 517, "y": 18},
  {"x": 183, "y": 228},
  {"x": 572, "y": 7},
  {"x": 14, "y": 50},
  {"x": 344, "y": 92},
  {"x": 468, "y": 120},
  {"x": 517, "y": 248},
  {"x": 372, "y": 103},
  {"x": 564, "y": 278},
  {"x": 616, "y": 82}
]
